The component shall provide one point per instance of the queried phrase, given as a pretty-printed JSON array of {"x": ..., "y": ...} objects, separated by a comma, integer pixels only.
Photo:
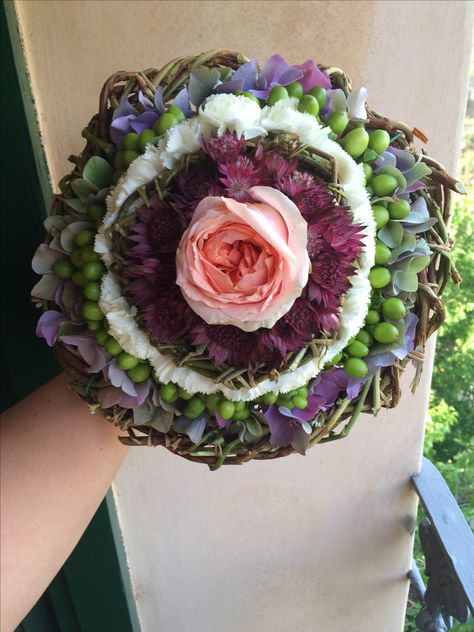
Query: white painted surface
[{"x": 314, "y": 544}]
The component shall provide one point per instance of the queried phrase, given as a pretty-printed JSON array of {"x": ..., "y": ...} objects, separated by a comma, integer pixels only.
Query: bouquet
[{"x": 243, "y": 259}]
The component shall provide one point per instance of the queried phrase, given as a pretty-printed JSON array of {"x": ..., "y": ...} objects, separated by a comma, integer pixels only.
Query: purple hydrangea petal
[
  {"x": 196, "y": 428},
  {"x": 119, "y": 128},
  {"x": 221, "y": 422},
  {"x": 125, "y": 108},
  {"x": 143, "y": 390},
  {"x": 119, "y": 378},
  {"x": 90, "y": 350},
  {"x": 281, "y": 430},
  {"x": 145, "y": 101},
  {"x": 48, "y": 326},
  {"x": 143, "y": 121},
  {"x": 229, "y": 86},
  {"x": 46, "y": 287},
  {"x": 300, "y": 440},
  {"x": 44, "y": 259},
  {"x": 181, "y": 101},
  {"x": 248, "y": 72},
  {"x": 312, "y": 76}
]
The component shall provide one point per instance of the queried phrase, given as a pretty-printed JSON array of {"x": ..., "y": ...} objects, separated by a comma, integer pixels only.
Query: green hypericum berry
[
  {"x": 212, "y": 402},
  {"x": 102, "y": 336},
  {"x": 384, "y": 184},
  {"x": 372, "y": 317},
  {"x": 76, "y": 258},
  {"x": 140, "y": 373},
  {"x": 94, "y": 325},
  {"x": 337, "y": 358},
  {"x": 226, "y": 409},
  {"x": 249, "y": 95},
  {"x": 92, "y": 291},
  {"x": 169, "y": 393},
  {"x": 381, "y": 215},
  {"x": 93, "y": 270},
  {"x": 112, "y": 346},
  {"x": 91, "y": 311},
  {"x": 145, "y": 138},
  {"x": 240, "y": 405},
  {"x": 369, "y": 155},
  {"x": 79, "y": 279},
  {"x": 365, "y": 337},
  {"x": 129, "y": 156},
  {"x": 300, "y": 402},
  {"x": 269, "y": 398},
  {"x": 338, "y": 121},
  {"x": 96, "y": 211},
  {"x": 357, "y": 349},
  {"x": 302, "y": 391},
  {"x": 295, "y": 90},
  {"x": 177, "y": 113},
  {"x": 195, "y": 407},
  {"x": 126, "y": 361},
  {"x": 379, "y": 277},
  {"x": 130, "y": 142},
  {"x": 119, "y": 161},
  {"x": 63, "y": 269},
  {"x": 393, "y": 308},
  {"x": 355, "y": 142},
  {"x": 308, "y": 105},
  {"x": 276, "y": 94},
  {"x": 379, "y": 140},
  {"x": 183, "y": 394},
  {"x": 84, "y": 238},
  {"x": 89, "y": 254},
  {"x": 386, "y": 333},
  {"x": 382, "y": 253},
  {"x": 164, "y": 123},
  {"x": 320, "y": 95},
  {"x": 367, "y": 171},
  {"x": 399, "y": 210},
  {"x": 241, "y": 415},
  {"x": 355, "y": 367}
]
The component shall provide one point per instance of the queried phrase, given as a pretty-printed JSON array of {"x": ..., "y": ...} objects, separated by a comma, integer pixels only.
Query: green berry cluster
[
  {"x": 135, "y": 144},
  {"x": 194, "y": 405}
]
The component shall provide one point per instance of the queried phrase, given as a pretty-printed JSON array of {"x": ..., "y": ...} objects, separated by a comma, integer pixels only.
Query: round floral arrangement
[{"x": 242, "y": 260}]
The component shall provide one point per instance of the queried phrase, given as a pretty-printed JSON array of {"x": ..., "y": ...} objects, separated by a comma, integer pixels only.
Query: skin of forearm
[{"x": 57, "y": 462}]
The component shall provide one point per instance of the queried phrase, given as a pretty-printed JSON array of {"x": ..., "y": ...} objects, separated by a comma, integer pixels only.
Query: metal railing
[{"x": 448, "y": 547}]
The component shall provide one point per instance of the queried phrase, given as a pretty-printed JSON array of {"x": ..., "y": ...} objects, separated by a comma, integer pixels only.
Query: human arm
[{"x": 57, "y": 463}]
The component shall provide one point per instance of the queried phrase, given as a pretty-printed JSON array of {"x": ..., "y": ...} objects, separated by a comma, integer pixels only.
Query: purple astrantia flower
[
  {"x": 48, "y": 326},
  {"x": 276, "y": 72},
  {"x": 94, "y": 355}
]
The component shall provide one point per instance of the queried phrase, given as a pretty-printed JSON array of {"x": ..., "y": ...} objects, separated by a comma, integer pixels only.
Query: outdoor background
[{"x": 449, "y": 439}]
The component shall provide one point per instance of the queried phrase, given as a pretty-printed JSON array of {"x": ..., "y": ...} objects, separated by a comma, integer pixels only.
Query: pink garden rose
[{"x": 244, "y": 264}]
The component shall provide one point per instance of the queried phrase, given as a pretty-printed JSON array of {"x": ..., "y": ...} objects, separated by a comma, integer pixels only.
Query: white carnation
[
  {"x": 181, "y": 140},
  {"x": 231, "y": 113}
]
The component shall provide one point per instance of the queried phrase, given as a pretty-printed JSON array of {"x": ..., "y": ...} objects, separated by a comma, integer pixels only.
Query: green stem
[{"x": 95, "y": 140}]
